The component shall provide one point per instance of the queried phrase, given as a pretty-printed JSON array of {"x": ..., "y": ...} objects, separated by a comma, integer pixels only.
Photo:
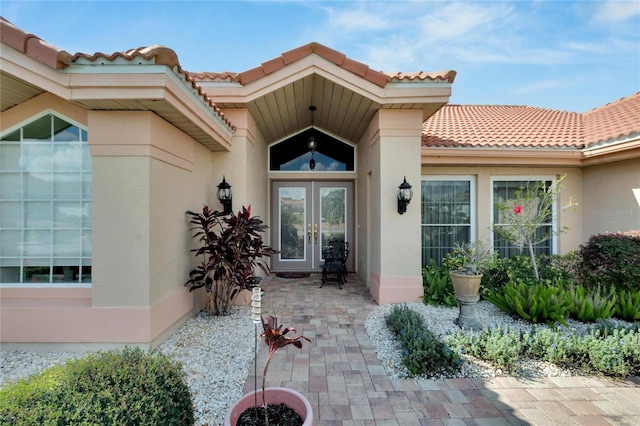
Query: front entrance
[{"x": 305, "y": 217}]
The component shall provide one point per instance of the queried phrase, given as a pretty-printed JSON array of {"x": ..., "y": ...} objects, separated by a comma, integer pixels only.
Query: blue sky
[{"x": 566, "y": 55}]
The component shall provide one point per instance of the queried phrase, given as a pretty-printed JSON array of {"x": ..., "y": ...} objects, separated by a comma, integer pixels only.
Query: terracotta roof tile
[
  {"x": 448, "y": 75},
  {"x": 33, "y": 46},
  {"x": 613, "y": 120},
  {"x": 160, "y": 54},
  {"x": 497, "y": 125},
  {"x": 273, "y": 65},
  {"x": 523, "y": 126}
]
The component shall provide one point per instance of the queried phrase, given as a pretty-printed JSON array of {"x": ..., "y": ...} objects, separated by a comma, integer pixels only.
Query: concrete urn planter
[
  {"x": 274, "y": 396},
  {"x": 467, "y": 289}
]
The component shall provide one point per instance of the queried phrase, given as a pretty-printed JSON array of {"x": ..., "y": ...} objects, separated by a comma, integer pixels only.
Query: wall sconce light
[
  {"x": 224, "y": 196},
  {"x": 404, "y": 196}
]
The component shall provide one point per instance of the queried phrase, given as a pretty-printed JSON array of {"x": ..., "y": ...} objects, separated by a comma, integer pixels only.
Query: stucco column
[{"x": 396, "y": 273}]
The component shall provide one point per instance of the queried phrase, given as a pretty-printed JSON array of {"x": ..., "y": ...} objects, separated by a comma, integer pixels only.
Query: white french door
[{"x": 305, "y": 217}]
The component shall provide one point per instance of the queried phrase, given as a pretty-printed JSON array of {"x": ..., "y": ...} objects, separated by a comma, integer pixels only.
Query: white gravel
[{"x": 217, "y": 353}]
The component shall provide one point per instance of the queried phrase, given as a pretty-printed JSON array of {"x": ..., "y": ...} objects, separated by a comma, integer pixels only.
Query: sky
[{"x": 564, "y": 55}]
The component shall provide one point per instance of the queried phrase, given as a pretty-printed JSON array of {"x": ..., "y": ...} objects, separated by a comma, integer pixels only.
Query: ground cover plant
[
  {"x": 604, "y": 349},
  {"x": 129, "y": 387},
  {"x": 422, "y": 352}
]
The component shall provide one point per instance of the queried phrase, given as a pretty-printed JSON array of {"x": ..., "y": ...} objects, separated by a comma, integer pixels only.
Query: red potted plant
[{"x": 273, "y": 406}]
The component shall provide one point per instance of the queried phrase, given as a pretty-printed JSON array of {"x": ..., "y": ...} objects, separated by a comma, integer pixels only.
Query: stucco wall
[
  {"x": 609, "y": 201},
  {"x": 572, "y": 189}
]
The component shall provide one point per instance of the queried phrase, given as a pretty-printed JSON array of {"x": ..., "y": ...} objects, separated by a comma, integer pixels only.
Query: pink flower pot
[{"x": 274, "y": 396}]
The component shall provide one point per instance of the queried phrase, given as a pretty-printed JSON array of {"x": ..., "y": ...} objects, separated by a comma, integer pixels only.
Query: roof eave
[{"x": 500, "y": 156}]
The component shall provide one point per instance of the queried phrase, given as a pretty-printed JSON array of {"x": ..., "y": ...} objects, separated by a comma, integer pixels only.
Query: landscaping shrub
[
  {"x": 605, "y": 349},
  {"x": 611, "y": 259},
  {"x": 496, "y": 346},
  {"x": 437, "y": 286},
  {"x": 422, "y": 353},
  {"x": 130, "y": 387},
  {"x": 590, "y": 304},
  {"x": 628, "y": 306},
  {"x": 535, "y": 302}
]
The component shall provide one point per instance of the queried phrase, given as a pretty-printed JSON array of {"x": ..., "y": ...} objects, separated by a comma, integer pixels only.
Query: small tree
[{"x": 529, "y": 211}]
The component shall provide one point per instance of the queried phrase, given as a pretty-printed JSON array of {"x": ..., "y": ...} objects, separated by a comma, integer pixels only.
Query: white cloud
[{"x": 616, "y": 11}]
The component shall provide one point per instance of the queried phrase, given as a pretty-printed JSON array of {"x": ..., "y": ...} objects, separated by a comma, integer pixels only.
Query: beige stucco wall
[
  {"x": 394, "y": 240},
  {"x": 572, "y": 190},
  {"x": 609, "y": 202}
]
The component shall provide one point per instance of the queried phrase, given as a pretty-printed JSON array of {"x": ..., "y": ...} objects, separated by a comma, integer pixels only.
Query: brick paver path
[{"x": 340, "y": 374}]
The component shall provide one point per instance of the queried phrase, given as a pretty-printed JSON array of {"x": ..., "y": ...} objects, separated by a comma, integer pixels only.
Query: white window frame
[
  {"x": 472, "y": 179},
  {"x": 526, "y": 178},
  {"x": 9, "y": 130}
]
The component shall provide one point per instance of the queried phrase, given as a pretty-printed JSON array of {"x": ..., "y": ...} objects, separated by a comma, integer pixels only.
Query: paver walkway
[{"x": 340, "y": 374}]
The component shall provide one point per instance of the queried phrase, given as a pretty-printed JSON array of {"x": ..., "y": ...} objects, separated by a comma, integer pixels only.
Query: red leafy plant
[
  {"x": 231, "y": 247},
  {"x": 275, "y": 338}
]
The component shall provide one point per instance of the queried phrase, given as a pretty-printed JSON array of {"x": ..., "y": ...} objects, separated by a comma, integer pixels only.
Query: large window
[
  {"x": 45, "y": 203},
  {"x": 448, "y": 214},
  {"x": 505, "y": 190}
]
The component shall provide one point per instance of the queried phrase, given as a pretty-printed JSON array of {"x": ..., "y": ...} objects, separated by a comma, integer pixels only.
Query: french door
[{"x": 305, "y": 217}]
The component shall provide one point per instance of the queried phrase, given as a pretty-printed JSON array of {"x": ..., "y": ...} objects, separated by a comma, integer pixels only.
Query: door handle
[
  {"x": 309, "y": 233},
  {"x": 315, "y": 233}
]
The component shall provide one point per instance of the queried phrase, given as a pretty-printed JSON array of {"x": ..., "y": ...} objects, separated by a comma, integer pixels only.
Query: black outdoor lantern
[
  {"x": 224, "y": 196},
  {"x": 312, "y": 143},
  {"x": 404, "y": 196},
  {"x": 312, "y": 147}
]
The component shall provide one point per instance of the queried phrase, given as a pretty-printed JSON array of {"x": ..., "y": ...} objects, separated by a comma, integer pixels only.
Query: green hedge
[
  {"x": 129, "y": 387},
  {"x": 611, "y": 259}
]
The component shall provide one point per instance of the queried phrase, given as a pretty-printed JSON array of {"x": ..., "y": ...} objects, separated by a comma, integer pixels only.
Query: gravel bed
[{"x": 217, "y": 353}]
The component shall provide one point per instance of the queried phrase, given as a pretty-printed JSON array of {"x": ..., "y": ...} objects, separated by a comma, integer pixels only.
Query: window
[
  {"x": 293, "y": 154},
  {"x": 45, "y": 203},
  {"x": 503, "y": 191},
  {"x": 448, "y": 212}
]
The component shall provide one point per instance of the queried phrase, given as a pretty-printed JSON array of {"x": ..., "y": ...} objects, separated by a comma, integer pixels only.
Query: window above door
[{"x": 293, "y": 154}]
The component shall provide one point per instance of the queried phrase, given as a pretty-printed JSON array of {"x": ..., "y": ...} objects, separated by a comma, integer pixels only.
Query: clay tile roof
[
  {"x": 160, "y": 54},
  {"x": 33, "y": 46},
  {"x": 499, "y": 126},
  {"x": 273, "y": 65},
  {"x": 448, "y": 75},
  {"x": 613, "y": 120}
]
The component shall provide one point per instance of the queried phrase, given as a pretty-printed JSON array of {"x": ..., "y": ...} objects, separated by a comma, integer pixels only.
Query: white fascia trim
[
  {"x": 418, "y": 84},
  {"x": 612, "y": 142},
  {"x": 150, "y": 68}
]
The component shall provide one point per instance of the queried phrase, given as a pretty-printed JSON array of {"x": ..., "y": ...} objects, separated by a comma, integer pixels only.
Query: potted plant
[
  {"x": 466, "y": 280},
  {"x": 274, "y": 406},
  {"x": 231, "y": 248}
]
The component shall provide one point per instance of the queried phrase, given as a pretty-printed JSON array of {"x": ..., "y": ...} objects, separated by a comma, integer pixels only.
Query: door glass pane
[
  {"x": 333, "y": 202},
  {"x": 292, "y": 203}
]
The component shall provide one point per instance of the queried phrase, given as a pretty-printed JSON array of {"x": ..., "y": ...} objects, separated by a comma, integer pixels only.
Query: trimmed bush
[
  {"x": 611, "y": 259},
  {"x": 422, "y": 353},
  {"x": 131, "y": 387}
]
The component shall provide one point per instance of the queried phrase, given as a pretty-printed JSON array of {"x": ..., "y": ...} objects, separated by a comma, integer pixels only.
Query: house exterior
[{"x": 101, "y": 155}]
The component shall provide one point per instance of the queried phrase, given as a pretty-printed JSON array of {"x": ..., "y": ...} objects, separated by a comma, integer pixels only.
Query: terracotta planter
[
  {"x": 467, "y": 288},
  {"x": 274, "y": 396}
]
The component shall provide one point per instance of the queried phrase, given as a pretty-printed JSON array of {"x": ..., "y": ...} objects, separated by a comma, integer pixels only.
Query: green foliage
[
  {"x": 124, "y": 388},
  {"x": 610, "y": 350},
  {"x": 496, "y": 346},
  {"x": 231, "y": 246},
  {"x": 628, "y": 307},
  {"x": 535, "y": 302},
  {"x": 611, "y": 259},
  {"x": 437, "y": 286},
  {"x": 592, "y": 304},
  {"x": 422, "y": 353}
]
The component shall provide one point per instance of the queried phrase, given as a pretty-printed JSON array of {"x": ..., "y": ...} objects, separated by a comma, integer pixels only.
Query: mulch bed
[{"x": 292, "y": 274}]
